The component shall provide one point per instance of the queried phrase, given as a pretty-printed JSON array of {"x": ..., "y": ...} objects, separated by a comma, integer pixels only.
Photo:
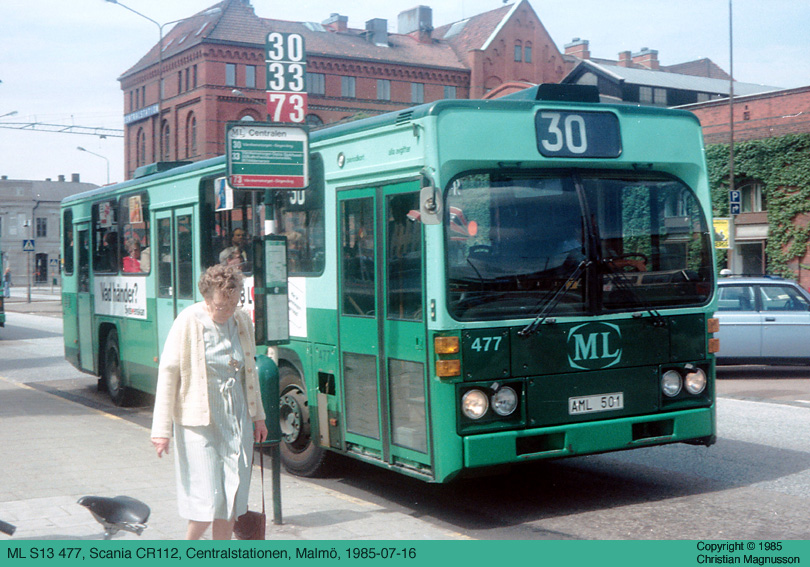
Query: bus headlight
[
  {"x": 474, "y": 404},
  {"x": 504, "y": 401},
  {"x": 671, "y": 383},
  {"x": 695, "y": 381}
]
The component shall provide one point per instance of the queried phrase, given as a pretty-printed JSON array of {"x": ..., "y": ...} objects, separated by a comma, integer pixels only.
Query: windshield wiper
[
  {"x": 532, "y": 327},
  {"x": 621, "y": 283}
]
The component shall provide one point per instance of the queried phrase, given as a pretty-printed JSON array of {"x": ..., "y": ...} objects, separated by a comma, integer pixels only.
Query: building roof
[
  {"x": 235, "y": 23},
  {"x": 667, "y": 80},
  {"x": 475, "y": 32}
]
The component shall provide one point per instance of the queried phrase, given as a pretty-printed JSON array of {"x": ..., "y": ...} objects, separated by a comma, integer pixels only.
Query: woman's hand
[
  {"x": 161, "y": 445},
  {"x": 259, "y": 431}
]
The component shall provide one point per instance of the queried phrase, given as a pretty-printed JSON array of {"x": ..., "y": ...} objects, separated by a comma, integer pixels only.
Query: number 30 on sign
[{"x": 287, "y": 107}]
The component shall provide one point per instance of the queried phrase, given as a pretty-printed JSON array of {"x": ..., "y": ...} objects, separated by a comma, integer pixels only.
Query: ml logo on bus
[{"x": 592, "y": 346}]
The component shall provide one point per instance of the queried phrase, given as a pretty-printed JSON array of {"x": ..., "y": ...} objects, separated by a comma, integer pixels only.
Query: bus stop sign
[{"x": 263, "y": 155}]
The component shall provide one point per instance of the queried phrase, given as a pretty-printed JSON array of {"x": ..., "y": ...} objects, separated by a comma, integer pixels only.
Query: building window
[
  {"x": 180, "y": 81},
  {"x": 316, "y": 83},
  {"x": 42, "y": 227},
  {"x": 143, "y": 97},
  {"x": 188, "y": 82},
  {"x": 417, "y": 92},
  {"x": 348, "y": 86},
  {"x": 166, "y": 141},
  {"x": 660, "y": 97},
  {"x": 645, "y": 95},
  {"x": 140, "y": 148},
  {"x": 518, "y": 51},
  {"x": 383, "y": 89},
  {"x": 527, "y": 54},
  {"x": 250, "y": 76},
  {"x": 191, "y": 135},
  {"x": 131, "y": 100},
  {"x": 194, "y": 77},
  {"x": 230, "y": 74},
  {"x": 449, "y": 92},
  {"x": 753, "y": 198}
]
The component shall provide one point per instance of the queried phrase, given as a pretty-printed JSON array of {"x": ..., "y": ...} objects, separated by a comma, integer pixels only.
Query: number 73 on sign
[{"x": 287, "y": 106}]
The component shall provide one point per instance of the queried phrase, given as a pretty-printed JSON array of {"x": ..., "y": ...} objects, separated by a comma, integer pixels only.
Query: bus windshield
[{"x": 573, "y": 244}]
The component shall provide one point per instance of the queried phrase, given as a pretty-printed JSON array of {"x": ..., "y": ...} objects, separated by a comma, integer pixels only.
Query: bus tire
[
  {"x": 299, "y": 454},
  {"x": 112, "y": 376}
]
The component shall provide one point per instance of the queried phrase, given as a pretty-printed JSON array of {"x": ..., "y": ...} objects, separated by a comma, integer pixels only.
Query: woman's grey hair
[{"x": 226, "y": 279}]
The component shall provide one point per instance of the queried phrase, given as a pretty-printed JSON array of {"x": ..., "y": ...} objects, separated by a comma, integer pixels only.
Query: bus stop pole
[{"x": 275, "y": 460}]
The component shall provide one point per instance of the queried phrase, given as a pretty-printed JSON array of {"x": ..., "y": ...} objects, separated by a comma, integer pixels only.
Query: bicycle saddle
[{"x": 119, "y": 513}]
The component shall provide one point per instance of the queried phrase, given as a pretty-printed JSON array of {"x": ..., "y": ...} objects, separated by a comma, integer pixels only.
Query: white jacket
[{"x": 182, "y": 385}]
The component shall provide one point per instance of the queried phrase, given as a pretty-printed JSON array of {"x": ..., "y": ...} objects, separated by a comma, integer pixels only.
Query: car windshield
[{"x": 566, "y": 244}]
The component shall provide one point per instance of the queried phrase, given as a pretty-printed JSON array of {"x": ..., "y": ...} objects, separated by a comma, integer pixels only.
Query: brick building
[
  {"x": 210, "y": 68},
  {"x": 759, "y": 117}
]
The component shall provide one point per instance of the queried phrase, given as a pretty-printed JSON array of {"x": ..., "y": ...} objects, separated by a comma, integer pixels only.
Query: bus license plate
[{"x": 593, "y": 404}]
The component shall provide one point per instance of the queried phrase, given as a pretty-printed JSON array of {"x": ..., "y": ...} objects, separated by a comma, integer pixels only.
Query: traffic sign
[
  {"x": 735, "y": 196},
  {"x": 735, "y": 208},
  {"x": 267, "y": 156},
  {"x": 28, "y": 245}
]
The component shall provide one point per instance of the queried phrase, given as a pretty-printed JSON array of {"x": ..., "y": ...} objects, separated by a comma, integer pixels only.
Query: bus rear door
[
  {"x": 382, "y": 329},
  {"x": 175, "y": 266},
  {"x": 85, "y": 311}
]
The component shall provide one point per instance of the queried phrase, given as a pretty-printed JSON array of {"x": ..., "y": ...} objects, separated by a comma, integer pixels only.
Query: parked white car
[{"x": 763, "y": 320}]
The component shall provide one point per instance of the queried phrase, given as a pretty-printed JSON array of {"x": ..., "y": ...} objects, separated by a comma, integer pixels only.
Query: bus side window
[
  {"x": 135, "y": 252},
  {"x": 164, "y": 257},
  {"x": 67, "y": 246},
  {"x": 105, "y": 237}
]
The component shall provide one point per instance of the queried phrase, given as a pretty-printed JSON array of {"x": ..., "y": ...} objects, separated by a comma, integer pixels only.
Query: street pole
[
  {"x": 159, "y": 130},
  {"x": 28, "y": 259},
  {"x": 81, "y": 149}
]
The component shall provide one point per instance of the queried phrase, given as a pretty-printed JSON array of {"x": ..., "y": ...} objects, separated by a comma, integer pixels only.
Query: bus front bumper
[{"x": 590, "y": 437}]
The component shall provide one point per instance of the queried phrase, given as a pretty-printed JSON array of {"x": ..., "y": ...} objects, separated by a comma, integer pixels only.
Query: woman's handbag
[{"x": 251, "y": 525}]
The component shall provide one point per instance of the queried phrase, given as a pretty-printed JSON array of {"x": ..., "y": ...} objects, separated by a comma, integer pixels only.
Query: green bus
[{"x": 471, "y": 283}]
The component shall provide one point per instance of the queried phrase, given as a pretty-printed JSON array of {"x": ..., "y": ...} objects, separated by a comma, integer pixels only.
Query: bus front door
[
  {"x": 382, "y": 329},
  {"x": 175, "y": 266},
  {"x": 84, "y": 301}
]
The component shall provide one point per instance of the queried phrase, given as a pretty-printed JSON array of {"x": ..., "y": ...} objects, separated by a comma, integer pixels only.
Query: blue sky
[{"x": 59, "y": 59}]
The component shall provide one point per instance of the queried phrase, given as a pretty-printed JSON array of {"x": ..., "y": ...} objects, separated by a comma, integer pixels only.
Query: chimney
[
  {"x": 75, "y": 178},
  {"x": 336, "y": 23},
  {"x": 377, "y": 32},
  {"x": 647, "y": 58},
  {"x": 625, "y": 59},
  {"x": 578, "y": 48},
  {"x": 61, "y": 179},
  {"x": 417, "y": 22}
]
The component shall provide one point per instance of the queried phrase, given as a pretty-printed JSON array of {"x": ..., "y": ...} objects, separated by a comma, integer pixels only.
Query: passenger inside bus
[
  {"x": 237, "y": 252},
  {"x": 131, "y": 263}
]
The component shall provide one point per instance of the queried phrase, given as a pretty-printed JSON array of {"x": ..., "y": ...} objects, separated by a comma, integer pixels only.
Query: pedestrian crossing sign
[{"x": 28, "y": 245}]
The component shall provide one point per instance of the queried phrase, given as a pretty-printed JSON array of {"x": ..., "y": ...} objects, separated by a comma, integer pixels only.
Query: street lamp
[
  {"x": 81, "y": 149},
  {"x": 159, "y": 130},
  {"x": 12, "y": 113}
]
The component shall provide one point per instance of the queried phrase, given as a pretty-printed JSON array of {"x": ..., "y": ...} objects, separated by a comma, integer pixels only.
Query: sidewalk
[
  {"x": 45, "y": 300},
  {"x": 56, "y": 451}
]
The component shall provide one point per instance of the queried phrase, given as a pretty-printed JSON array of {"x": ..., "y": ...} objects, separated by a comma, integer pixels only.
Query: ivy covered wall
[{"x": 782, "y": 165}]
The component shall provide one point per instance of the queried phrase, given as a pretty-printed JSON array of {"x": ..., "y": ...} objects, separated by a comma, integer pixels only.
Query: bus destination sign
[{"x": 267, "y": 156}]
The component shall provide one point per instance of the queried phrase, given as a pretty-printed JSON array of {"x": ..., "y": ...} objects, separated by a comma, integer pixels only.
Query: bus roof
[{"x": 133, "y": 183}]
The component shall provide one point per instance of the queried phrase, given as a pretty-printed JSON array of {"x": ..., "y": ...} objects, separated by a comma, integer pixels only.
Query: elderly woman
[{"x": 209, "y": 387}]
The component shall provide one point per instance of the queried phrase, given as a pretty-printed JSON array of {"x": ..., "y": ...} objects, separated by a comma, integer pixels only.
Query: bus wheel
[
  {"x": 299, "y": 453},
  {"x": 112, "y": 371}
]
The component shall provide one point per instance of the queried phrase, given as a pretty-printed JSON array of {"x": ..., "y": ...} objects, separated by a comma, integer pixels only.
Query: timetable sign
[
  {"x": 267, "y": 156},
  {"x": 286, "y": 70}
]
